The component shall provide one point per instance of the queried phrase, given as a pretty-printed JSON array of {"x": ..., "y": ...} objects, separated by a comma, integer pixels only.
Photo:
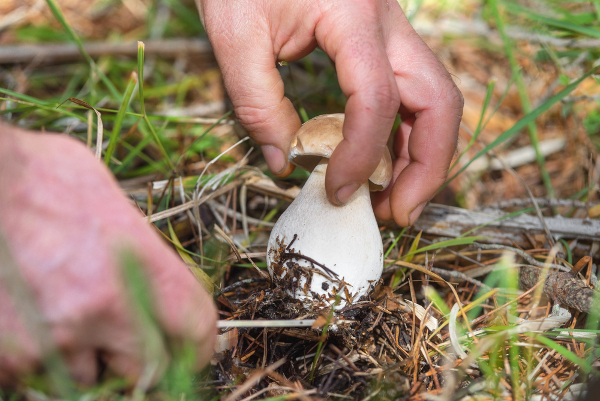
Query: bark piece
[{"x": 562, "y": 288}]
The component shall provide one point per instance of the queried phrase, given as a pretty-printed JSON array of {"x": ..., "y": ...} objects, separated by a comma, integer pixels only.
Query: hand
[
  {"x": 383, "y": 68},
  {"x": 66, "y": 221}
]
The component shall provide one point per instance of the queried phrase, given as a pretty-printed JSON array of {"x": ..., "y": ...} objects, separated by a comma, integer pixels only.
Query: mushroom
[{"x": 316, "y": 249}]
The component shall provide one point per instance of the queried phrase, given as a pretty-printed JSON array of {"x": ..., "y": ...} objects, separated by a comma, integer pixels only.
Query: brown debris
[{"x": 562, "y": 287}]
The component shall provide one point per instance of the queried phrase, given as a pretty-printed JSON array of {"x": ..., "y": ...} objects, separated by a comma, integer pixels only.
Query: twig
[
  {"x": 253, "y": 380},
  {"x": 247, "y": 255},
  {"x": 189, "y": 205},
  {"x": 530, "y": 259},
  {"x": 223, "y": 324},
  {"x": 460, "y": 276},
  {"x": 490, "y": 313},
  {"x": 291, "y": 255},
  {"x": 240, "y": 284},
  {"x": 481, "y": 28},
  {"x": 531, "y": 197},
  {"x": 449, "y": 221},
  {"x": 233, "y": 214},
  {"x": 522, "y": 202},
  {"x": 348, "y": 361},
  {"x": 562, "y": 288},
  {"x": 58, "y": 53}
]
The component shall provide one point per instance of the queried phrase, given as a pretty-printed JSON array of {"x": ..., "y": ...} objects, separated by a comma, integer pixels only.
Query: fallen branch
[
  {"x": 59, "y": 53},
  {"x": 563, "y": 288},
  {"x": 448, "y": 221}
]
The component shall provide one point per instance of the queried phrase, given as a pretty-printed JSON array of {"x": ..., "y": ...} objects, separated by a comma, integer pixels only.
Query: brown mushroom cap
[{"x": 318, "y": 137}]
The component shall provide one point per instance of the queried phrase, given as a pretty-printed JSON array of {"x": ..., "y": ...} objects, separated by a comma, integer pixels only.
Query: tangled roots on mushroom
[{"x": 294, "y": 272}]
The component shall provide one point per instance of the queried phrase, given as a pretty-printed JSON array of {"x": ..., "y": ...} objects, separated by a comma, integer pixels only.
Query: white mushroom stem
[{"x": 340, "y": 245}]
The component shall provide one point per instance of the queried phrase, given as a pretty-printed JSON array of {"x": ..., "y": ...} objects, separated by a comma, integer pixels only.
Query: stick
[{"x": 59, "y": 53}]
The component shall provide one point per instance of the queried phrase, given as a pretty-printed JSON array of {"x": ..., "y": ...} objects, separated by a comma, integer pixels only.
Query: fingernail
[
  {"x": 344, "y": 194},
  {"x": 275, "y": 158},
  {"x": 414, "y": 215}
]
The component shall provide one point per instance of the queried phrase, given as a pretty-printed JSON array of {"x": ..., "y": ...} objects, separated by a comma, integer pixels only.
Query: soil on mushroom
[{"x": 296, "y": 279}]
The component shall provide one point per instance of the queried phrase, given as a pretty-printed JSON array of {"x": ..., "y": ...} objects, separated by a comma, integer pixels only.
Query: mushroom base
[{"x": 318, "y": 251}]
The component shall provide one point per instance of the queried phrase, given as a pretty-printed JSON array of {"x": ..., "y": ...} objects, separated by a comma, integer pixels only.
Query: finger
[
  {"x": 257, "y": 90},
  {"x": 430, "y": 148},
  {"x": 366, "y": 78},
  {"x": 124, "y": 365},
  {"x": 431, "y": 111},
  {"x": 381, "y": 200},
  {"x": 185, "y": 310},
  {"x": 188, "y": 313},
  {"x": 431, "y": 144},
  {"x": 82, "y": 365},
  {"x": 134, "y": 351},
  {"x": 14, "y": 365}
]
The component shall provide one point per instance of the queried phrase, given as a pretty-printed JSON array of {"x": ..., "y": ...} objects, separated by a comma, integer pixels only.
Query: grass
[
  {"x": 147, "y": 145},
  {"x": 524, "y": 96}
]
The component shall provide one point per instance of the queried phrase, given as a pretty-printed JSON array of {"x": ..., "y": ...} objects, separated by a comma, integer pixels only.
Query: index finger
[{"x": 354, "y": 41}]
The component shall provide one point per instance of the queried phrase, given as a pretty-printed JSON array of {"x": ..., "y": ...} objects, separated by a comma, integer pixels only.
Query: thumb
[{"x": 257, "y": 93}]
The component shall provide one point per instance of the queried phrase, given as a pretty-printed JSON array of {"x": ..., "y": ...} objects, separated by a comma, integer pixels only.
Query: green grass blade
[
  {"x": 395, "y": 242},
  {"x": 58, "y": 14},
  {"x": 323, "y": 335},
  {"x": 408, "y": 257},
  {"x": 561, "y": 24},
  {"x": 18, "y": 109},
  {"x": 413, "y": 248},
  {"x": 152, "y": 339},
  {"x": 560, "y": 330},
  {"x": 498, "y": 104},
  {"x": 25, "y": 98},
  {"x": 140, "y": 61},
  {"x": 159, "y": 143},
  {"x": 568, "y": 250},
  {"x": 200, "y": 274},
  {"x": 133, "y": 152},
  {"x": 434, "y": 296},
  {"x": 524, "y": 96},
  {"x": 522, "y": 123},
  {"x": 444, "y": 244},
  {"x": 42, "y": 106},
  {"x": 224, "y": 116},
  {"x": 593, "y": 319},
  {"x": 515, "y": 369},
  {"x": 120, "y": 117},
  {"x": 137, "y": 151},
  {"x": 571, "y": 356}
]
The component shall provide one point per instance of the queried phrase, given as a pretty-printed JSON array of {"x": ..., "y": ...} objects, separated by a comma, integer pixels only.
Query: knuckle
[
  {"x": 450, "y": 96},
  {"x": 254, "y": 118},
  {"x": 457, "y": 101},
  {"x": 97, "y": 310},
  {"x": 385, "y": 99},
  {"x": 439, "y": 176}
]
